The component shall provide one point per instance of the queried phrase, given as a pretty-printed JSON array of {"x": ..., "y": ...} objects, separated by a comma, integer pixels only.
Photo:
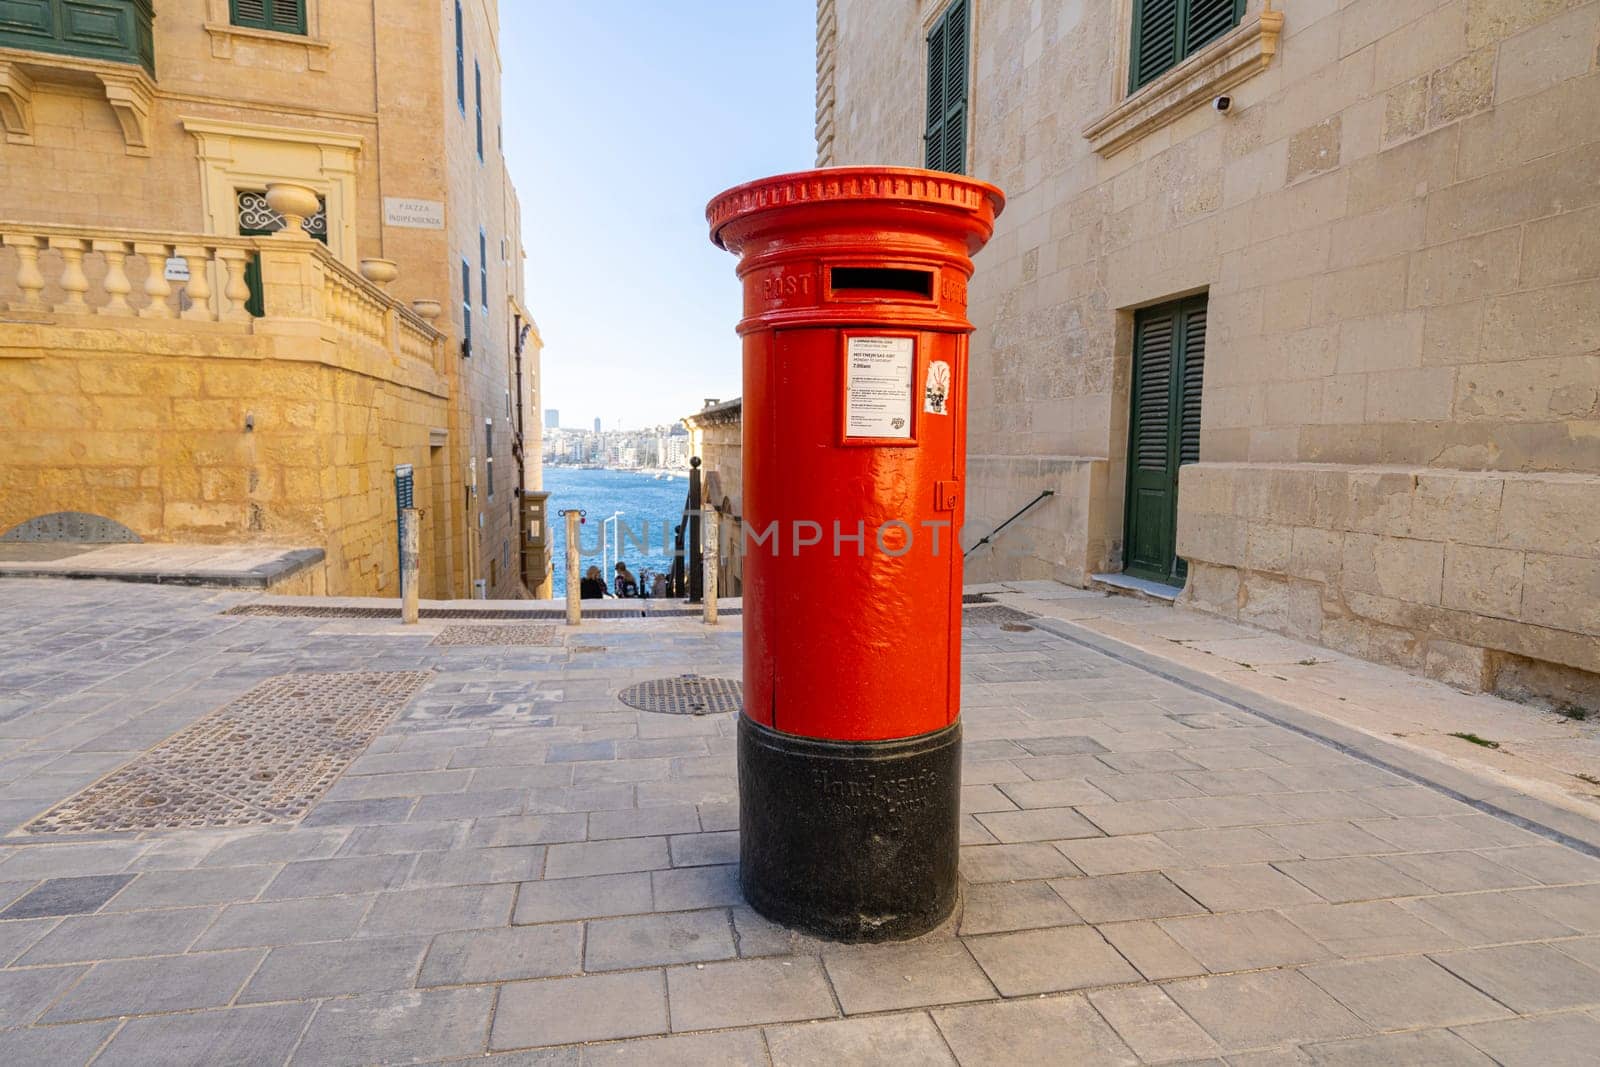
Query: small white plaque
[
  {"x": 878, "y": 376},
  {"x": 177, "y": 269},
  {"x": 413, "y": 214}
]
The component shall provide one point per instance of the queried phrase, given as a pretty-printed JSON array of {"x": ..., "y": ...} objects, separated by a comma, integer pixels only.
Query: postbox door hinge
[{"x": 946, "y": 495}]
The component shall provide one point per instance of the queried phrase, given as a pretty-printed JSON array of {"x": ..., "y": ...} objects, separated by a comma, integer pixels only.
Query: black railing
[{"x": 996, "y": 532}]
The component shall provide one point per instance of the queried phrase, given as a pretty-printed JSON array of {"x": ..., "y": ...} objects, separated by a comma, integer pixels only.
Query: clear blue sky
[{"x": 621, "y": 120}]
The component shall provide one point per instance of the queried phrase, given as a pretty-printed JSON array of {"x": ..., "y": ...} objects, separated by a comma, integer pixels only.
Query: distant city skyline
[{"x": 628, "y": 118}]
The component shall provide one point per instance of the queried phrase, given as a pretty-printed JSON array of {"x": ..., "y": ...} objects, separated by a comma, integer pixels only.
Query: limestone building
[
  {"x": 180, "y": 354},
  {"x": 1295, "y": 304}
]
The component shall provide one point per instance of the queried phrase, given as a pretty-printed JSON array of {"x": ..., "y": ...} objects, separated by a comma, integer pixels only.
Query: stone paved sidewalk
[{"x": 521, "y": 866}]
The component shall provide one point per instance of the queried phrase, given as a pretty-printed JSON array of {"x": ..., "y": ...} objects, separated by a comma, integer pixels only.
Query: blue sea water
[{"x": 642, "y": 498}]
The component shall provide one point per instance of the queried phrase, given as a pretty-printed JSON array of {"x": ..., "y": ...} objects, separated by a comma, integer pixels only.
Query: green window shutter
[
  {"x": 477, "y": 88},
  {"x": 466, "y": 308},
  {"x": 945, "y": 137},
  {"x": 461, "y": 62},
  {"x": 1166, "y": 32},
  {"x": 1192, "y": 374},
  {"x": 284, "y": 16}
]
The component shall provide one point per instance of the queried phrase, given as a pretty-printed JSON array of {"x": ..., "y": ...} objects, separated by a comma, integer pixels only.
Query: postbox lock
[{"x": 946, "y": 495}]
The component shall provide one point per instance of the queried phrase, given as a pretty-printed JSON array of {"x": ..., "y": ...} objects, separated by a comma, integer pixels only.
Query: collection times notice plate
[{"x": 877, "y": 387}]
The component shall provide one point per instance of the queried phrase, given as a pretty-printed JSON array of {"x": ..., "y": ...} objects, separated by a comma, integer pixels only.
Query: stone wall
[
  {"x": 149, "y": 428},
  {"x": 1397, "y": 224}
]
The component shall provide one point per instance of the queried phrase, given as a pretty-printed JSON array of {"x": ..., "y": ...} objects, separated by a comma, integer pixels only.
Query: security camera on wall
[{"x": 1222, "y": 103}]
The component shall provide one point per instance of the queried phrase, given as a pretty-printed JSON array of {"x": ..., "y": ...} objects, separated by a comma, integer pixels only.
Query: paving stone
[
  {"x": 1121, "y": 897},
  {"x": 707, "y": 849},
  {"x": 916, "y": 974},
  {"x": 1526, "y": 978},
  {"x": 1154, "y": 760},
  {"x": 748, "y": 993},
  {"x": 475, "y": 866},
  {"x": 73, "y": 1043},
  {"x": 1224, "y": 847},
  {"x": 1550, "y": 864},
  {"x": 402, "y": 1027},
  {"x": 1487, "y": 918},
  {"x": 1404, "y": 993},
  {"x": 1242, "y": 887},
  {"x": 1010, "y": 863},
  {"x": 1585, "y": 950},
  {"x": 1064, "y": 1030},
  {"x": 18, "y": 935},
  {"x": 696, "y": 887},
  {"x": 209, "y": 885},
  {"x": 285, "y": 922},
  {"x": 606, "y": 857},
  {"x": 1352, "y": 878},
  {"x": 1050, "y": 961},
  {"x": 1155, "y": 785},
  {"x": 1328, "y": 840},
  {"x": 1546, "y": 1041},
  {"x": 733, "y": 1048},
  {"x": 910, "y": 1040},
  {"x": 995, "y": 907},
  {"x": 333, "y": 877},
  {"x": 66, "y": 896},
  {"x": 1137, "y": 817},
  {"x": 1037, "y": 824},
  {"x": 560, "y": 899},
  {"x": 1119, "y": 855},
  {"x": 263, "y": 1034},
  {"x": 1152, "y": 950},
  {"x": 25, "y": 994},
  {"x": 147, "y": 986},
  {"x": 1055, "y": 793},
  {"x": 1244, "y": 940},
  {"x": 600, "y": 1007},
  {"x": 1575, "y": 906},
  {"x": 445, "y": 806},
  {"x": 433, "y": 911},
  {"x": 655, "y": 940},
  {"x": 68, "y": 861},
  {"x": 1457, "y": 872},
  {"x": 360, "y": 812},
  {"x": 1431, "y": 1048},
  {"x": 401, "y": 838},
  {"x": 277, "y": 847},
  {"x": 336, "y": 968},
  {"x": 756, "y": 935},
  {"x": 644, "y": 822},
  {"x": 1264, "y": 1008},
  {"x": 469, "y": 956},
  {"x": 505, "y": 830},
  {"x": 1152, "y": 1024},
  {"x": 115, "y": 936}
]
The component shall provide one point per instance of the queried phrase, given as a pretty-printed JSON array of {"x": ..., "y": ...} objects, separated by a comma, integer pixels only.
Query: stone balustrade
[{"x": 76, "y": 273}]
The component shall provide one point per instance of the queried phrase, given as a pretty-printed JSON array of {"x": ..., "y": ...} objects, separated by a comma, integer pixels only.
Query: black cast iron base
[{"x": 850, "y": 840}]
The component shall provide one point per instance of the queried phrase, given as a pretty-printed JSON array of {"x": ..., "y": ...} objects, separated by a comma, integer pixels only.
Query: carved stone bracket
[
  {"x": 16, "y": 103},
  {"x": 1202, "y": 77},
  {"x": 130, "y": 96}
]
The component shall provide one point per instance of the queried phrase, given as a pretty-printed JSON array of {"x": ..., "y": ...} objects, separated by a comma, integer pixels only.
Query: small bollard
[
  {"x": 410, "y": 566},
  {"x": 713, "y": 559},
  {"x": 574, "y": 516}
]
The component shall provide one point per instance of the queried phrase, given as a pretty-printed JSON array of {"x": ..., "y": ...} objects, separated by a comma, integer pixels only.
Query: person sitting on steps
[
  {"x": 593, "y": 586},
  {"x": 624, "y": 584}
]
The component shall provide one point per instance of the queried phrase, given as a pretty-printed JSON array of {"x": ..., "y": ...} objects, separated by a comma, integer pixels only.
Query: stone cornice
[{"x": 1202, "y": 77}]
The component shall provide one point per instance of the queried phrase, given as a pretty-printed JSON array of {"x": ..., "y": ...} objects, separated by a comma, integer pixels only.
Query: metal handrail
[{"x": 996, "y": 531}]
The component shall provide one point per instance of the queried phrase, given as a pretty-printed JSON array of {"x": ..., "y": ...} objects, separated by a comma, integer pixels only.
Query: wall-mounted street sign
[
  {"x": 413, "y": 214},
  {"x": 177, "y": 269}
]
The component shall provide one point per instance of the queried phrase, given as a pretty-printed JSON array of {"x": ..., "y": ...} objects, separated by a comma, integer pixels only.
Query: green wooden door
[{"x": 1169, "y": 346}]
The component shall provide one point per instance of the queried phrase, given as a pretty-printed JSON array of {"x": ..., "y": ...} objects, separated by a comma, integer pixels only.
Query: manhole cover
[
  {"x": 687, "y": 694},
  {"x": 497, "y": 635},
  {"x": 992, "y": 613},
  {"x": 267, "y": 757}
]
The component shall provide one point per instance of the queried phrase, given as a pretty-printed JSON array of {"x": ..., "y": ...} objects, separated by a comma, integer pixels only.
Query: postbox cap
[{"x": 974, "y": 203}]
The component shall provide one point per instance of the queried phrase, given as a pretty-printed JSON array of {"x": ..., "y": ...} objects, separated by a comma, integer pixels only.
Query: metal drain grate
[
  {"x": 267, "y": 757},
  {"x": 992, "y": 613},
  {"x": 497, "y": 635},
  {"x": 687, "y": 694}
]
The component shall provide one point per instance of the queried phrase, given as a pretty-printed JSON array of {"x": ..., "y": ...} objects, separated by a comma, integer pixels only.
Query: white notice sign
[
  {"x": 877, "y": 388},
  {"x": 413, "y": 214}
]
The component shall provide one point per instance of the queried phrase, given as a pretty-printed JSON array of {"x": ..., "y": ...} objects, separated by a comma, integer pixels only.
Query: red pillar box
[{"x": 855, "y": 371}]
